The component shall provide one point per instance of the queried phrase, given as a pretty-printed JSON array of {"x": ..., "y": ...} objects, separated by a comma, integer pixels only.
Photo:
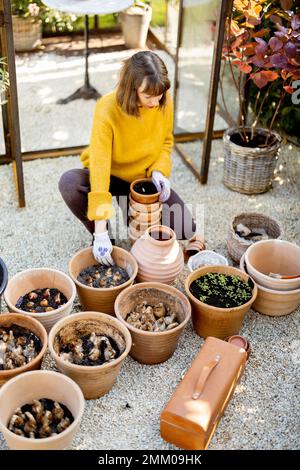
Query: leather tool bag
[{"x": 191, "y": 416}]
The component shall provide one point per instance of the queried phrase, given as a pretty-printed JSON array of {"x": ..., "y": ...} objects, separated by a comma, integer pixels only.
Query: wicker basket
[
  {"x": 236, "y": 245},
  {"x": 250, "y": 170},
  {"x": 27, "y": 33}
]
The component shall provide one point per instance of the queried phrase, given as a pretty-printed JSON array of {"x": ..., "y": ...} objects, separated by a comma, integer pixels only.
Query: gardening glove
[
  {"x": 162, "y": 185},
  {"x": 102, "y": 248}
]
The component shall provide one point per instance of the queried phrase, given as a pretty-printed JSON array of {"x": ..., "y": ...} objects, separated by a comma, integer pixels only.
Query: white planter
[{"x": 135, "y": 23}]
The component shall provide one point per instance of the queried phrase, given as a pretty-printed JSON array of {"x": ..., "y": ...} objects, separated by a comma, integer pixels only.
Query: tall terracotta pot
[
  {"x": 33, "y": 386},
  {"x": 94, "y": 381},
  {"x": 101, "y": 299},
  {"x": 214, "y": 321},
  {"x": 9, "y": 319},
  {"x": 158, "y": 260},
  {"x": 151, "y": 347}
]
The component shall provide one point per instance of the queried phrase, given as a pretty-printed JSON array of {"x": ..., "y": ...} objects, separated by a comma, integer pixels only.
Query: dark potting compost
[
  {"x": 222, "y": 290},
  {"x": 42, "y": 418},
  {"x": 100, "y": 276},
  {"x": 18, "y": 346},
  {"x": 41, "y": 300},
  {"x": 145, "y": 187},
  {"x": 155, "y": 318},
  {"x": 79, "y": 344},
  {"x": 258, "y": 140}
]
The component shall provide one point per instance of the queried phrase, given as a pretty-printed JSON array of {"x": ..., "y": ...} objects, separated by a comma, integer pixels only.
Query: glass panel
[
  {"x": 194, "y": 67},
  {"x": 164, "y": 22}
]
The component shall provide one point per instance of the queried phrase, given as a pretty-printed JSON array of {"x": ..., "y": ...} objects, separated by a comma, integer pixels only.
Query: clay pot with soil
[
  {"x": 144, "y": 191},
  {"x": 159, "y": 255},
  {"x": 220, "y": 297},
  {"x": 90, "y": 347},
  {"x": 102, "y": 298},
  {"x": 39, "y": 404},
  {"x": 156, "y": 315},
  {"x": 23, "y": 344},
  {"x": 42, "y": 293}
]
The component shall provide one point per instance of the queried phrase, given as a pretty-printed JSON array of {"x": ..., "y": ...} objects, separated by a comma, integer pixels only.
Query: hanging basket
[
  {"x": 250, "y": 170},
  {"x": 27, "y": 33}
]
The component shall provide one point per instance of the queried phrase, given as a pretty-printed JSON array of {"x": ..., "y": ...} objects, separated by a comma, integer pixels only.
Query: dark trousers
[{"x": 74, "y": 186}]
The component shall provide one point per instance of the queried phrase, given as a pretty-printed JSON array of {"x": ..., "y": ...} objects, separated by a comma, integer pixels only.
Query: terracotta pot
[
  {"x": 140, "y": 226},
  {"x": 101, "y": 299},
  {"x": 158, "y": 260},
  {"x": 215, "y": 321},
  {"x": 94, "y": 381},
  {"x": 146, "y": 208},
  {"x": 143, "y": 198},
  {"x": 274, "y": 256},
  {"x": 274, "y": 302},
  {"x": 40, "y": 278},
  {"x": 9, "y": 319},
  {"x": 33, "y": 386},
  {"x": 150, "y": 217},
  {"x": 149, "y": 347}
]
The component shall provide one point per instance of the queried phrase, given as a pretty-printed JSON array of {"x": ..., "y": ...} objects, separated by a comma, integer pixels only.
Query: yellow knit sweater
[{"x": 125, "y": 146}]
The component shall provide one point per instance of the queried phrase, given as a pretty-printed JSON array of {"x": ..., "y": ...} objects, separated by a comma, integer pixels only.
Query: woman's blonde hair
[{"x": 142, "y": 65}]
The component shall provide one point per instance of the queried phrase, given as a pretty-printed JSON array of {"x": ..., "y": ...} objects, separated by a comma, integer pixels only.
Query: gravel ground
[{"x": 264, "y": 411}]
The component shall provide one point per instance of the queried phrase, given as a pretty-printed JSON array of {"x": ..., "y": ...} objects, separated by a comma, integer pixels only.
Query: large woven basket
[
  {"x": 236, "y": 245},
  {"x": 250, "y": 170},
  {"x": 27, "y": 33}
]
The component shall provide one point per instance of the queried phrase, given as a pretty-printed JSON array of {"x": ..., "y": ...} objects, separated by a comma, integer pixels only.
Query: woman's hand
[
  {"x": 102, "y": 246},
  {"x": 162, "y": 185}
]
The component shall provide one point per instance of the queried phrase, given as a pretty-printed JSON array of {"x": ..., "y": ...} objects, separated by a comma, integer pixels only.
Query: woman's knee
[{"x": 69, "y": 183}]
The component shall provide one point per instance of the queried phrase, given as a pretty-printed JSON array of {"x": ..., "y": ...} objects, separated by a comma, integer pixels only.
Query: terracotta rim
[
  {"x": 101, "y": 316},
  {"x": 104, "y": 289},
  {"x": 141, "y": 180},
  {"x": 204, "y": 270},
  {"x": 264, "y": 276},
  {"x": 76, "y": 419},
  {"x": 160, "y": 228},
  {"x": 267, "y": 289},
  {"x": 43, "y": 314},
  {"x": 159, "y": 286},
  {"x": 148, "y": 206},
  {"x": 43, "y": 338}
]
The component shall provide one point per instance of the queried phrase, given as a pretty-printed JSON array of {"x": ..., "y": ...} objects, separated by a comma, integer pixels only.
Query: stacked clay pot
[
  {"x": 144, "y": 210},
  {"x": 158, "y": 254}
]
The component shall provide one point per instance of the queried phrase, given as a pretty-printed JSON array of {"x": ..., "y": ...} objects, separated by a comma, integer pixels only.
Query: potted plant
[
  {"x": 156, "y": 315},
  {"x": 262, "y": 56},
  {"x": 4, "y": 81},
  {"x": 18, "y": 331},
  {"x": 36, "y": 391},
  {"x": 27, "y": 24},
  {"x": 220, "y": 297},
  {"x": 135, "y": 23},
  {"x": 90, "y": 347}
]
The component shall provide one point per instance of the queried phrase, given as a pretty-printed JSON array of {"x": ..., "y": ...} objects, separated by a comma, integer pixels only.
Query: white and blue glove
[
  {"x": 102, "y": 248},
  {"x": 162, "y": 185}
]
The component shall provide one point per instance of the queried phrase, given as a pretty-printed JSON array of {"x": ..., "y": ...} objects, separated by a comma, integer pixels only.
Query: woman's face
[{"x": 146, "y": 100}]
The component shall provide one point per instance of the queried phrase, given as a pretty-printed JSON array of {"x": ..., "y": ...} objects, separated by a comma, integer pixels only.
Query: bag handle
[{"x": 205, "y": 373}]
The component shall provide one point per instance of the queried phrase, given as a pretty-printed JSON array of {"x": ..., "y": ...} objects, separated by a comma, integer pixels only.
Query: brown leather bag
[{"x": 191, "y": 416}]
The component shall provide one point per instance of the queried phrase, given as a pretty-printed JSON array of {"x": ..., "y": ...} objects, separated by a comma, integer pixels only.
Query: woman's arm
[
  {"x": 164, "y": 161},
  {"x": 100, "y": 151}
]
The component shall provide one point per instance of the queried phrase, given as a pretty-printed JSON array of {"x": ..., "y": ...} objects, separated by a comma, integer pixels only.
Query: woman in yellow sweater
[{"x": 131, "y": 138}]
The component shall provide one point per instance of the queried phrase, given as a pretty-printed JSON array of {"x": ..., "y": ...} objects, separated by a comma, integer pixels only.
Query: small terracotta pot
[
  {"x": 145, "y": 208},
  {"x": 9, "y": 319},
  {"x": 158, "y": 260},
  {"x": 94, "y": 381},
  {"x": 33, "y": 386},
  {"x": 40, "y": 278},
  {"x": 274, "y": 256},
  {"x": 273, "y": 302},
  {"x": 143, "y": 198},
  {"x": 215, "y": 321},
  {"x": 149, "y": 347},
  {"x": 101, "y": 299},
  {"x": 150, "y": 217},
  {"x": 140, "y": 226}
]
